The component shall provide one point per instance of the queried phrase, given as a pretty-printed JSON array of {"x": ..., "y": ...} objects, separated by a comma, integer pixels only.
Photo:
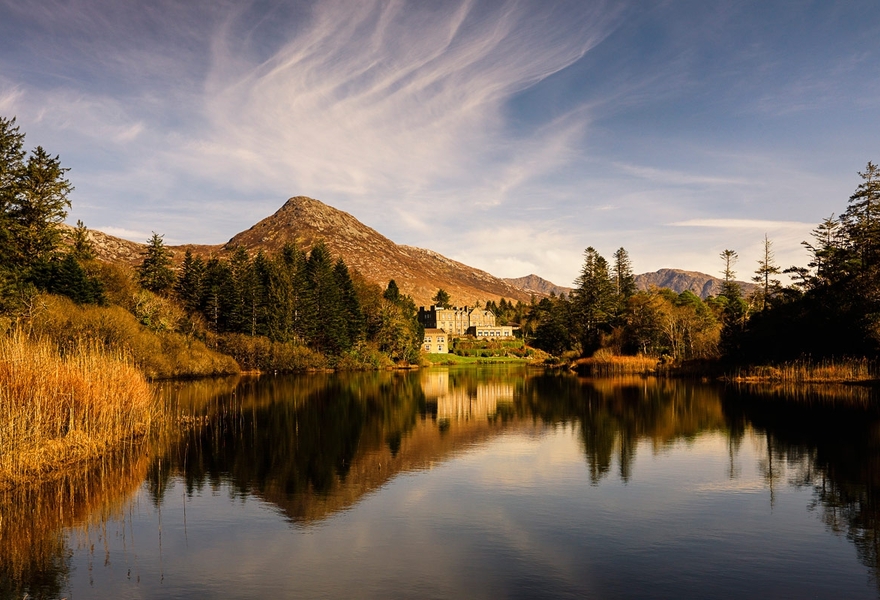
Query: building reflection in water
[{"x": 456, "y": 402}]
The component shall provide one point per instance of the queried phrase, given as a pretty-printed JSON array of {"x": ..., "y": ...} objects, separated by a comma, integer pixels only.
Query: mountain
[
  {"x": 305, "y": 221},
  {"x": 677, "y": 280},
  {"x": 537, "y": 285},
  {"x": 417, "y": 271}
]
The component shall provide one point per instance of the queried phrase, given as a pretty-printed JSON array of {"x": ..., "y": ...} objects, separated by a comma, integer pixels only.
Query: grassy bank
[
  {"x": 60, "y": 410},
  {"x": 454, "y": 359}
]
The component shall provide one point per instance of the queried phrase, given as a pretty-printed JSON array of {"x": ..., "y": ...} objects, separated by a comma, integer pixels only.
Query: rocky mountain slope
[
  {"x": 537, "y": 285},
  {"x": 305, "y": 221},
  {"x": 677, "y": 280}
]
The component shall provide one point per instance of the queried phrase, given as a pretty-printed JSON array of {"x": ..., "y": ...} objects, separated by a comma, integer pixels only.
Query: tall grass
[
  {"x": 160, "y": 354},
  {"x": 60, "y": 410},
  {"x": 809, "y": 371},
  {"x": 605, "y": 363}
]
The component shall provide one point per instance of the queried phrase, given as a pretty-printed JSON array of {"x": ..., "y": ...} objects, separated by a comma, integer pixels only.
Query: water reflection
[{"x": 316, "y": 445}]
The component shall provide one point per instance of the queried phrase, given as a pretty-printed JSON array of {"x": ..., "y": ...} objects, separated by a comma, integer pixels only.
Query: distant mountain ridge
[
  {"x": 677, "y": 280},
  {"x": 537, "y": 285}
]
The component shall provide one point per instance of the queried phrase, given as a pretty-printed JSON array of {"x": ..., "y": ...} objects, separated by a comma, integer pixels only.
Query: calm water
[{"x": 496, "y": 483}]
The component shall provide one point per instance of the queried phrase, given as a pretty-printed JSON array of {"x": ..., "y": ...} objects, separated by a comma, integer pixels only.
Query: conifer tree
[
  {"x": 355, "y": 322},
  {"x": 11, "y": 165},
  {"x": 766, "y": 269},
  {"x": 190, "y": 282},
  {"x": 39, "y": 204},
  {"x": 624, "y": 280},
  {"x": 82, "y": 246},
  {"x": 155, "y": 271},
  {"x": 441, "y": 298},
  {"x": 323, "y": 319},
  {"x": 392, "y": 292},
  {"x": 593, "y": 301}
]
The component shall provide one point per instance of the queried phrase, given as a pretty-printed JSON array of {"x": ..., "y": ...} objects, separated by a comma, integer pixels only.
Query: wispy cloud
[{"x": 744, "y": 224}]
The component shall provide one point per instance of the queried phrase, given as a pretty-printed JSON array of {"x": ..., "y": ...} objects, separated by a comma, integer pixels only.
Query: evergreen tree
[
  {"x": 11, "y": 165},
  {"x": 66, "y": 277},
  {"x": 593, "y": 301},
  {"x": 285, "y": 294},
  {"x": 39, "y": 204},
  {"x": 441, "y": 298},
  {"x": 766, "y": 269},
  {"x": 735, "y": 310},
  {"x": 190, "y": 282},
  {"x": 355, "y": 322},
  {"x": 624, "y": 280},
  {"x": 392, "y": 292},
  {"x": 324, "y": 321},
  {"x": 82, "y": 246},
  {"x": 214, "y": 283},
  {"x": 155, "y": 272}
]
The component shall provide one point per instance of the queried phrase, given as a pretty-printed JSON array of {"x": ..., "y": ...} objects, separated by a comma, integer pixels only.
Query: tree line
[
  {"x": 831, "y": 308},
  {"x": 290, "y": 296}
]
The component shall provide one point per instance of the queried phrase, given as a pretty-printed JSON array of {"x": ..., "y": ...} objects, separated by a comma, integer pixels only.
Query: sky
[{"x": 509, "y": 135}]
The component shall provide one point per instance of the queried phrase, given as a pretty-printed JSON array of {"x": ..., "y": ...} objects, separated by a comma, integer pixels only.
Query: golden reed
[{"x": 62, "y": 410}]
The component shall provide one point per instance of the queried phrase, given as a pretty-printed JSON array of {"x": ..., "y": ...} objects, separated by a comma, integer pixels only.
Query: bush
[{"x": 159, "y": 354}]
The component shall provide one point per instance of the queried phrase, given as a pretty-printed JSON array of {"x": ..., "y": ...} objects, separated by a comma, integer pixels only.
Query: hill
[
  {"x": 538, "y": 286},
  {"x": 677, "y": 280},
  {"x": 305, "y": 221}
]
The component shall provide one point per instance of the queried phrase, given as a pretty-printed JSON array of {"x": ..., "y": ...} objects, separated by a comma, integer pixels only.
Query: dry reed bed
[
  {"x": 806, "y": 371},
  {"x": 58, "y": 411},
  {"x": 604, "y": 364}
]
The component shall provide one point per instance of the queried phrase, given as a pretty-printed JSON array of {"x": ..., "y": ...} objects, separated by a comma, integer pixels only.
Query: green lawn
[{"x": 454, "y": 359}]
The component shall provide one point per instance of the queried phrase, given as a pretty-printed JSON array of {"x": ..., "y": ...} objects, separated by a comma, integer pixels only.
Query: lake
[{"x": 478, "y": 482}]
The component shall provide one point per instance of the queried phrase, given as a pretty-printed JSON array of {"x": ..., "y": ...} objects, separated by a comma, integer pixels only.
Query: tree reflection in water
[{"x": 317, "y": 444}]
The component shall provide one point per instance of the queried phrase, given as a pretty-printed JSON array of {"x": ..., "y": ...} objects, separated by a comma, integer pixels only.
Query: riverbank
[
  {"x": 64, "y": 410},
  {"x": 454, "y": 359}
]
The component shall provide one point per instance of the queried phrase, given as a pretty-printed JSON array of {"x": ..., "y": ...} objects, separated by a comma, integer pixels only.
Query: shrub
[{"x": 159, "y": 354}]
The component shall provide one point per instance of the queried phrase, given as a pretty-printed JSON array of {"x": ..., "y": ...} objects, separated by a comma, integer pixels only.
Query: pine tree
[
  {"x": 392, "y": 292},
  {"x": 39, "y": 203},
  {"x": 441, "y": 298},
  {"x": 155, "y": 271},
  {"x": 11, "y": 165},
  {"x": 766, "y": 269},
  {"x": 624, "y": 280},
  {"x": 354, "y": 320},
  {"x": 190, "y": 282},
  {"x": 593, "y": 301},
  {"x": 82, "y": 246},
  {"x": 324, "y": 322}
]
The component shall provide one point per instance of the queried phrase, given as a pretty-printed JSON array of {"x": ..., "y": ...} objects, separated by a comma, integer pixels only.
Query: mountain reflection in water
[{"x": 315, "y": 446}]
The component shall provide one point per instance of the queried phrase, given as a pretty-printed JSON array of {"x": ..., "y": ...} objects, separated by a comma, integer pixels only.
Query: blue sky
[{"x": 508, "y": 135}]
